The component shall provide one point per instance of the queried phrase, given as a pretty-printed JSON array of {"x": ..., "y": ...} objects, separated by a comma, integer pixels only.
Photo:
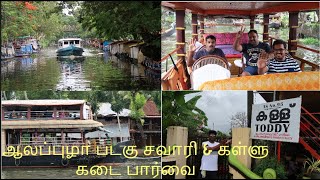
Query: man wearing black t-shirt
[{"x": 251, "y": 51}]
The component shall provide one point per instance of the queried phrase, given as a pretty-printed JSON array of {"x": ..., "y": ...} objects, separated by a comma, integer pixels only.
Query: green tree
[
  {"x": 139, "y": 20},
  {"x": 136, "y": 106},
  {"x": 178, "y": 112},
  {"x": 118, "y": 103}
]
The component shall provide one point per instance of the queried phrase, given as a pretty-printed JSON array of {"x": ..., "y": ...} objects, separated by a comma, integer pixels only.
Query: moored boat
[{"x": 69, "y": 47}]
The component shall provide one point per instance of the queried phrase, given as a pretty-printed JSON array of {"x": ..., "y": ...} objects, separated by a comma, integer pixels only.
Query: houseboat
[
  {"x": 41, "y": 133},
  {"x": 182, "y": 77},
  {"x": 69, "y": 47}
]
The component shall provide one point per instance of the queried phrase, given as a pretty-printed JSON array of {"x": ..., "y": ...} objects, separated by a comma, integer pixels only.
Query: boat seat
[
  {"x": 210, "y": 59},
  {"x": 212, "y": 68}
]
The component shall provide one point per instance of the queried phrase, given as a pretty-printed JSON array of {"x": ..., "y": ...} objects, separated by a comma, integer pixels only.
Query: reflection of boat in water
[
  {"x": 41, "y": 130},
  {"x": 70, "y": 46},
  {"x": 70, "y": 58},
  {"x": 23, "y": 64},
  {"x": 27, "y": 62},
  {"x": 72, "y": 76}
]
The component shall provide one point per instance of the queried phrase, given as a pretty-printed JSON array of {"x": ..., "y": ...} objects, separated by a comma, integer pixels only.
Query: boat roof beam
[{"x": 240, "y": 8}]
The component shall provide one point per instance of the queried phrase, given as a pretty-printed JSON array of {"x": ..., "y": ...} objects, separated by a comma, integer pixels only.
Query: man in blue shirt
[
  {"x": 209, "y": 49},
  {"x": 251, "y": 51}
]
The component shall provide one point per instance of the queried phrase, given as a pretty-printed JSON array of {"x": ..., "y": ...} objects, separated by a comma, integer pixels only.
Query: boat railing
[
  {"x": 175, "y": 78},
  {"x": 43, "y": 115},
  {"x": 15, "y": 115}
]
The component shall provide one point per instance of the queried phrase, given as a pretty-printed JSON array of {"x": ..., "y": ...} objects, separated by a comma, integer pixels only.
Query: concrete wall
[
  {"x": 241, "y": 135},
  {"x": 178, "y": 136}
]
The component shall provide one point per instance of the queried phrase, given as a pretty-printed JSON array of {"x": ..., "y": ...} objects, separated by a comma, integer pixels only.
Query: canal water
[
  {"x": 70, "y": 173},
  {"x": 95, "y": 71}
]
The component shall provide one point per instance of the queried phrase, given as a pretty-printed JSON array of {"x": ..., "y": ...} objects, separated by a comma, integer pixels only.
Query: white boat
[{"x": 70, "y": 46}]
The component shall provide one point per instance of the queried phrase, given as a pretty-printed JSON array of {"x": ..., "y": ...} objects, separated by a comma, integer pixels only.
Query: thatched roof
[
  {"x": 44, "y": 102},
  {"x": 46, "y": 124}
]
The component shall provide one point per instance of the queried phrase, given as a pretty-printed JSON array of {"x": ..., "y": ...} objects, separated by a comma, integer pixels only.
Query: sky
[{"x": 220, "y": 106}]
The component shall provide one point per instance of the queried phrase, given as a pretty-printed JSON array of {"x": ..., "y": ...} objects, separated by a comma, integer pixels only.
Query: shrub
[{"x": 272, "y": 162}]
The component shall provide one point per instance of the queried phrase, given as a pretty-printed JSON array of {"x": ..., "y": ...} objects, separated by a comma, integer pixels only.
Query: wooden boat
[
  {"x": 179, "y": 76},
  {"x": 70, "y": 46},
  {"x": 41, "y": 133},
  {"x": 24, "y": 50}
]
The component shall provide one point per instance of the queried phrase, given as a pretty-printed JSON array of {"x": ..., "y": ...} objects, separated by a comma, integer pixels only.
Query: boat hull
[
  {"x": 51, "y": 161},
  {"x": 69, "y": 51}
]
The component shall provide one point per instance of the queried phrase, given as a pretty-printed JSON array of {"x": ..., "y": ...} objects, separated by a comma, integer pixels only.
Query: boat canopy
[
  {"x": 240, "y": 9},
  {"x": 45, "y": 124}
]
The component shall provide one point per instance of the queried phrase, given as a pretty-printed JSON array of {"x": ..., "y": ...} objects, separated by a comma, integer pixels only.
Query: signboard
[{"x": 277, "y": 121}]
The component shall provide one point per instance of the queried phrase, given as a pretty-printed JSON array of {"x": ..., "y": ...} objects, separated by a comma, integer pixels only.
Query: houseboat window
[
  {"x": 77, "y": 41},
  {"x": 15, "y": 113},
  {"x": 60, "y": 43},
  {"x": 65, "y": 42},
  {"x": 42, "y": 112},
  {"x": 68, "y": 112}
]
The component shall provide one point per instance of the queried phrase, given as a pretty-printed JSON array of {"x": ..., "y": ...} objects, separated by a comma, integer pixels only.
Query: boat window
[
  {"x": 71, "y": 42},
  {"x": 60, "y": 43},
  {"x": 42, "y": 112},
  {"x": 65, "y": 42},
  {"x": 76, "y": 41},
  {"x": 15, "y": 113}
]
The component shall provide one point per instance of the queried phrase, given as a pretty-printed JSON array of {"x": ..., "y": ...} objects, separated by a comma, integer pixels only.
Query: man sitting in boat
[
  {"x": 251, "y": 51},
  {"x": 281, "y": 63},
  {"x": 208, "y": 50}
]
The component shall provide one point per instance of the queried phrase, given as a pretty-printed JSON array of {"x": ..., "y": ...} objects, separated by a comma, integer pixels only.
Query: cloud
[{"x": 219, "y": 106}]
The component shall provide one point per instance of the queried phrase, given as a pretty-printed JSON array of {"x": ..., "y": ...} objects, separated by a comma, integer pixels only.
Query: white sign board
[{"x": 277, "y": 121}]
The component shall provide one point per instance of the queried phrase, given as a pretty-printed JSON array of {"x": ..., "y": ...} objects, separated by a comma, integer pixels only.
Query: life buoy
[
  {"x": 17, "y": 162},
  {"x": 65, "y": 162}
]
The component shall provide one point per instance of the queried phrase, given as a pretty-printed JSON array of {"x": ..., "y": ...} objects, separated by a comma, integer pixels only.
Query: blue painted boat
[
  {"x": 25, "y": 50},
  {"x": 69, "y": 47}
]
